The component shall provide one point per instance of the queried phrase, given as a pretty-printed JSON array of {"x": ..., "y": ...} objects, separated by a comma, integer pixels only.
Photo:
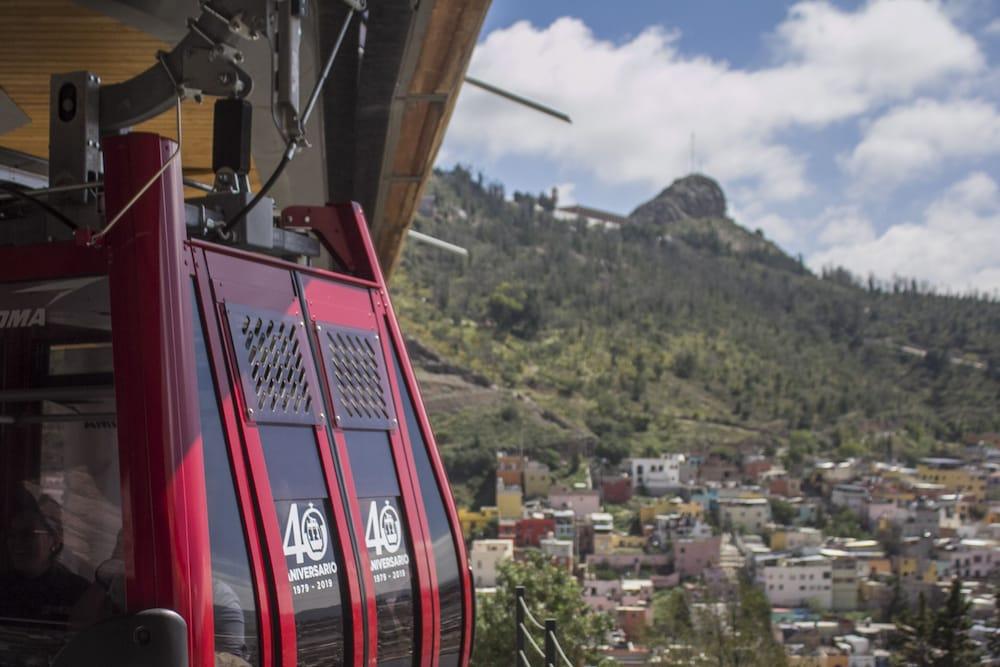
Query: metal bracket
[{"x": 206, "y": 62}]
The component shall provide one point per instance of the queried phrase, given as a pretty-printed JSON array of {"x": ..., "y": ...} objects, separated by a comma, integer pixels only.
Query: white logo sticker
[
  {"x": 384, "y": 530},
  {"x": 306, "y": 536}
]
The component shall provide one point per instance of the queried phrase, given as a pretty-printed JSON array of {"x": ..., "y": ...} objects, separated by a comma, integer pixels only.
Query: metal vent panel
[
  {"x": 355, "y": 368},
  {"x": 271, "y": 351}
]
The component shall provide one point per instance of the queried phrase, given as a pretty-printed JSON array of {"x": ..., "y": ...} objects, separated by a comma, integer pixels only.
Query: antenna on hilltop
[
  {"x": 691, "y": 159},
  {"x": 693, "y": 164}
]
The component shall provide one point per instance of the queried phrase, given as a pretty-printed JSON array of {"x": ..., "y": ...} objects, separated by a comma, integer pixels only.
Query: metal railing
[{"x": 553, "y": 654}]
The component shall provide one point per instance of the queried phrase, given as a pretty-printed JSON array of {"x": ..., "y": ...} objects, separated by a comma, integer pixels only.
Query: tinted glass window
[
  {"x": 445, "y": 559},
  {"x": 234, "y": 606},
  {"x": 304, "y": 517},
  {"x": 387, "y": 543},
  {"x": 61, "y": 560}
]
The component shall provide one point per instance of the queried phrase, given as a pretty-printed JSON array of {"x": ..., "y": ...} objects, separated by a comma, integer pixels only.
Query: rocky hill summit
[{"x": 693, "y": 196}]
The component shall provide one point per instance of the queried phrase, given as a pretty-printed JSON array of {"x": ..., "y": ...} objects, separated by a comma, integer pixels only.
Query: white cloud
[
  {"x": 844, "y": 225},
  {"x": 636, "y": 104},
  {"x": 566, "y": 193},
  {"x": 993, "y": 27},
  {"x": 777, "y": 228},
  {"x": 956, "y": 245},
  {"x": 920, "y": 136}
]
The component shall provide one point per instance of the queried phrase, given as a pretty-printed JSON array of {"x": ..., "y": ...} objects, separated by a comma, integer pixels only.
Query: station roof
[{"x": 384, "y": 113}]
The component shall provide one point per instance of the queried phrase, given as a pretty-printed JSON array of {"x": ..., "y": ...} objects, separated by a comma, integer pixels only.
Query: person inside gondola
[{"x": 37, "y": 587}]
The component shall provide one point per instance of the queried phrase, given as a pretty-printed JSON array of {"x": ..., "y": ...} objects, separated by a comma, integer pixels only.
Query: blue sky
[{"x": 862, "y": 134}]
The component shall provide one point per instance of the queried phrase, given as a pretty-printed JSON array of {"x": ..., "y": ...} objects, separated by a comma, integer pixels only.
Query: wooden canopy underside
[{"x": 406, "y": 87}]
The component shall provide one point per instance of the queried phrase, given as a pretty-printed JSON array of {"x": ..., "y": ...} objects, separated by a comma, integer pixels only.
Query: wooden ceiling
[
  {"x": 395, "y": 150},
  {"x": 42, "y": 37}
]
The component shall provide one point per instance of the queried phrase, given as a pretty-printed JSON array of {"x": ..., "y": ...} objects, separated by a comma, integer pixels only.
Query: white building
[
  {"x": 971, "y": 558},
  {"x": 799, "y": 582},
  {"x": 558, "y": 550},
  {"x": 852, "y": 496},
  {"x": 486, "y": 556},
  {"x": 592, "y": 216},
  {"x": 657, "y": 475},
  {"x": 749, "y": 513}
]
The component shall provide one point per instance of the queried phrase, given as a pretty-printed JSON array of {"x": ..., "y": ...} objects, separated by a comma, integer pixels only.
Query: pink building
[
  {"x": 581, "y": 501},
  {"x": 692, "y": 557}
]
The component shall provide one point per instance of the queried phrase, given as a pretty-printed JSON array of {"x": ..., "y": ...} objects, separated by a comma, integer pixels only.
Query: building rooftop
[{"x": 941, "y": 462}]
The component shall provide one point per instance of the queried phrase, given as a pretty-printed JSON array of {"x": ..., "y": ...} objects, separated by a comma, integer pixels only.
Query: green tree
[
  {"x": 671, "y": 617},
  {"x": 951, "y": 631},
  {"x": 896, "y": 609},
  {"x": 939, "y": 639},
  {"x": 993, "y": 644},
  {"x": 784, "y": 512},
  {"x": 916, "y": 629},
  {"x": 550, "y": 592},
  {"x": 734, "y": 631}
]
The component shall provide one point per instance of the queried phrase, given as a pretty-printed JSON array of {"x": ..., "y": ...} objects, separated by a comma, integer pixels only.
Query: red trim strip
[
  {"x": 365, "y": 565},
  {"x": 356, "y": 643},
  {"x": 163, "y": 476},
  {"x": 353, "y": 211},
  {"x": 430, "y": 605},
  {"x": 266, "y": 260},
  {"x": 249, "y": 516},
  {"x": 442, "y": 478},
  {"x": 267, "y": 515}
]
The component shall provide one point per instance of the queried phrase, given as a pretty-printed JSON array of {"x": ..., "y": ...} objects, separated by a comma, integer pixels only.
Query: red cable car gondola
[{"x": 232, "y": 440}]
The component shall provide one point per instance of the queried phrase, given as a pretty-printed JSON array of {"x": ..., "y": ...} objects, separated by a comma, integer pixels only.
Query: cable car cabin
[{"x": 213, "y": 456}]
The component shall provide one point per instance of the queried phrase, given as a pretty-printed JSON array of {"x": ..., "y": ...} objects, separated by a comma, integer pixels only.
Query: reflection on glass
[
  {"x": 445, "y": 558},
  {"x": 233, "y": 603},
  {"x": 60, "y": 497},
  {"x": 308, "y": 541},
  {"x": 387, "y": 543}
]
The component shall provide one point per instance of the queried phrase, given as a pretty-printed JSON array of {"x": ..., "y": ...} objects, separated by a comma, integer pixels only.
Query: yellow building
[
  {"x": 603, "y": 543},
  {"x": 474, "y": 522},
  {"x": 954, "y": 476},
  {"x": 537, "y": 479},
  {"x": 832, "y": 660},
  {"x": 509, "y": 501},
  {"x": 879, "y": 566},
  {"x": 648, "y": 513},
  {"x": 627, "y": 541},
  {"x": 907, "y": 567}
]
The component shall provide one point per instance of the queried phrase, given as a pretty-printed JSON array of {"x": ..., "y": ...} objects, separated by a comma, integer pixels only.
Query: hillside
[{"x": 681, "y": 330}]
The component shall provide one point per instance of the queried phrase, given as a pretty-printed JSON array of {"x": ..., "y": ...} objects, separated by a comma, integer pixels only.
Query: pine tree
[
  {"x": 896, "y": 609},
  {"x": 993, "y": 643},
  {"x": 916, "y": 628},
  {"x": 951, "y": 631}
]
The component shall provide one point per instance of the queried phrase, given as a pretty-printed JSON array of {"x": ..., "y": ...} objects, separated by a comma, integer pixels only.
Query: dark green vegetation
[
  {"x": 680, "y": 330},
  {"x": 938, "y": 638},
  {"x": 731, "y": 630}
]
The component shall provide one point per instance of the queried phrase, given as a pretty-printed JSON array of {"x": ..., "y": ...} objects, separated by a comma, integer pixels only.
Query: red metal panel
[
  {"x": 52, "y": 260},
  {"x": 227, "y": 403},
  {"x": 352, "y": 307},
  {"x": 166, "y": 528},
  {"x": 351, "y": 213},
  {"x": 232, "y": 278}
]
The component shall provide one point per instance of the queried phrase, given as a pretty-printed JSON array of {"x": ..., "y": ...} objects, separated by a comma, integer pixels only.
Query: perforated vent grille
[
  {"x": 273, "y": 369},
  {"x": 356, "y": 371}
]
